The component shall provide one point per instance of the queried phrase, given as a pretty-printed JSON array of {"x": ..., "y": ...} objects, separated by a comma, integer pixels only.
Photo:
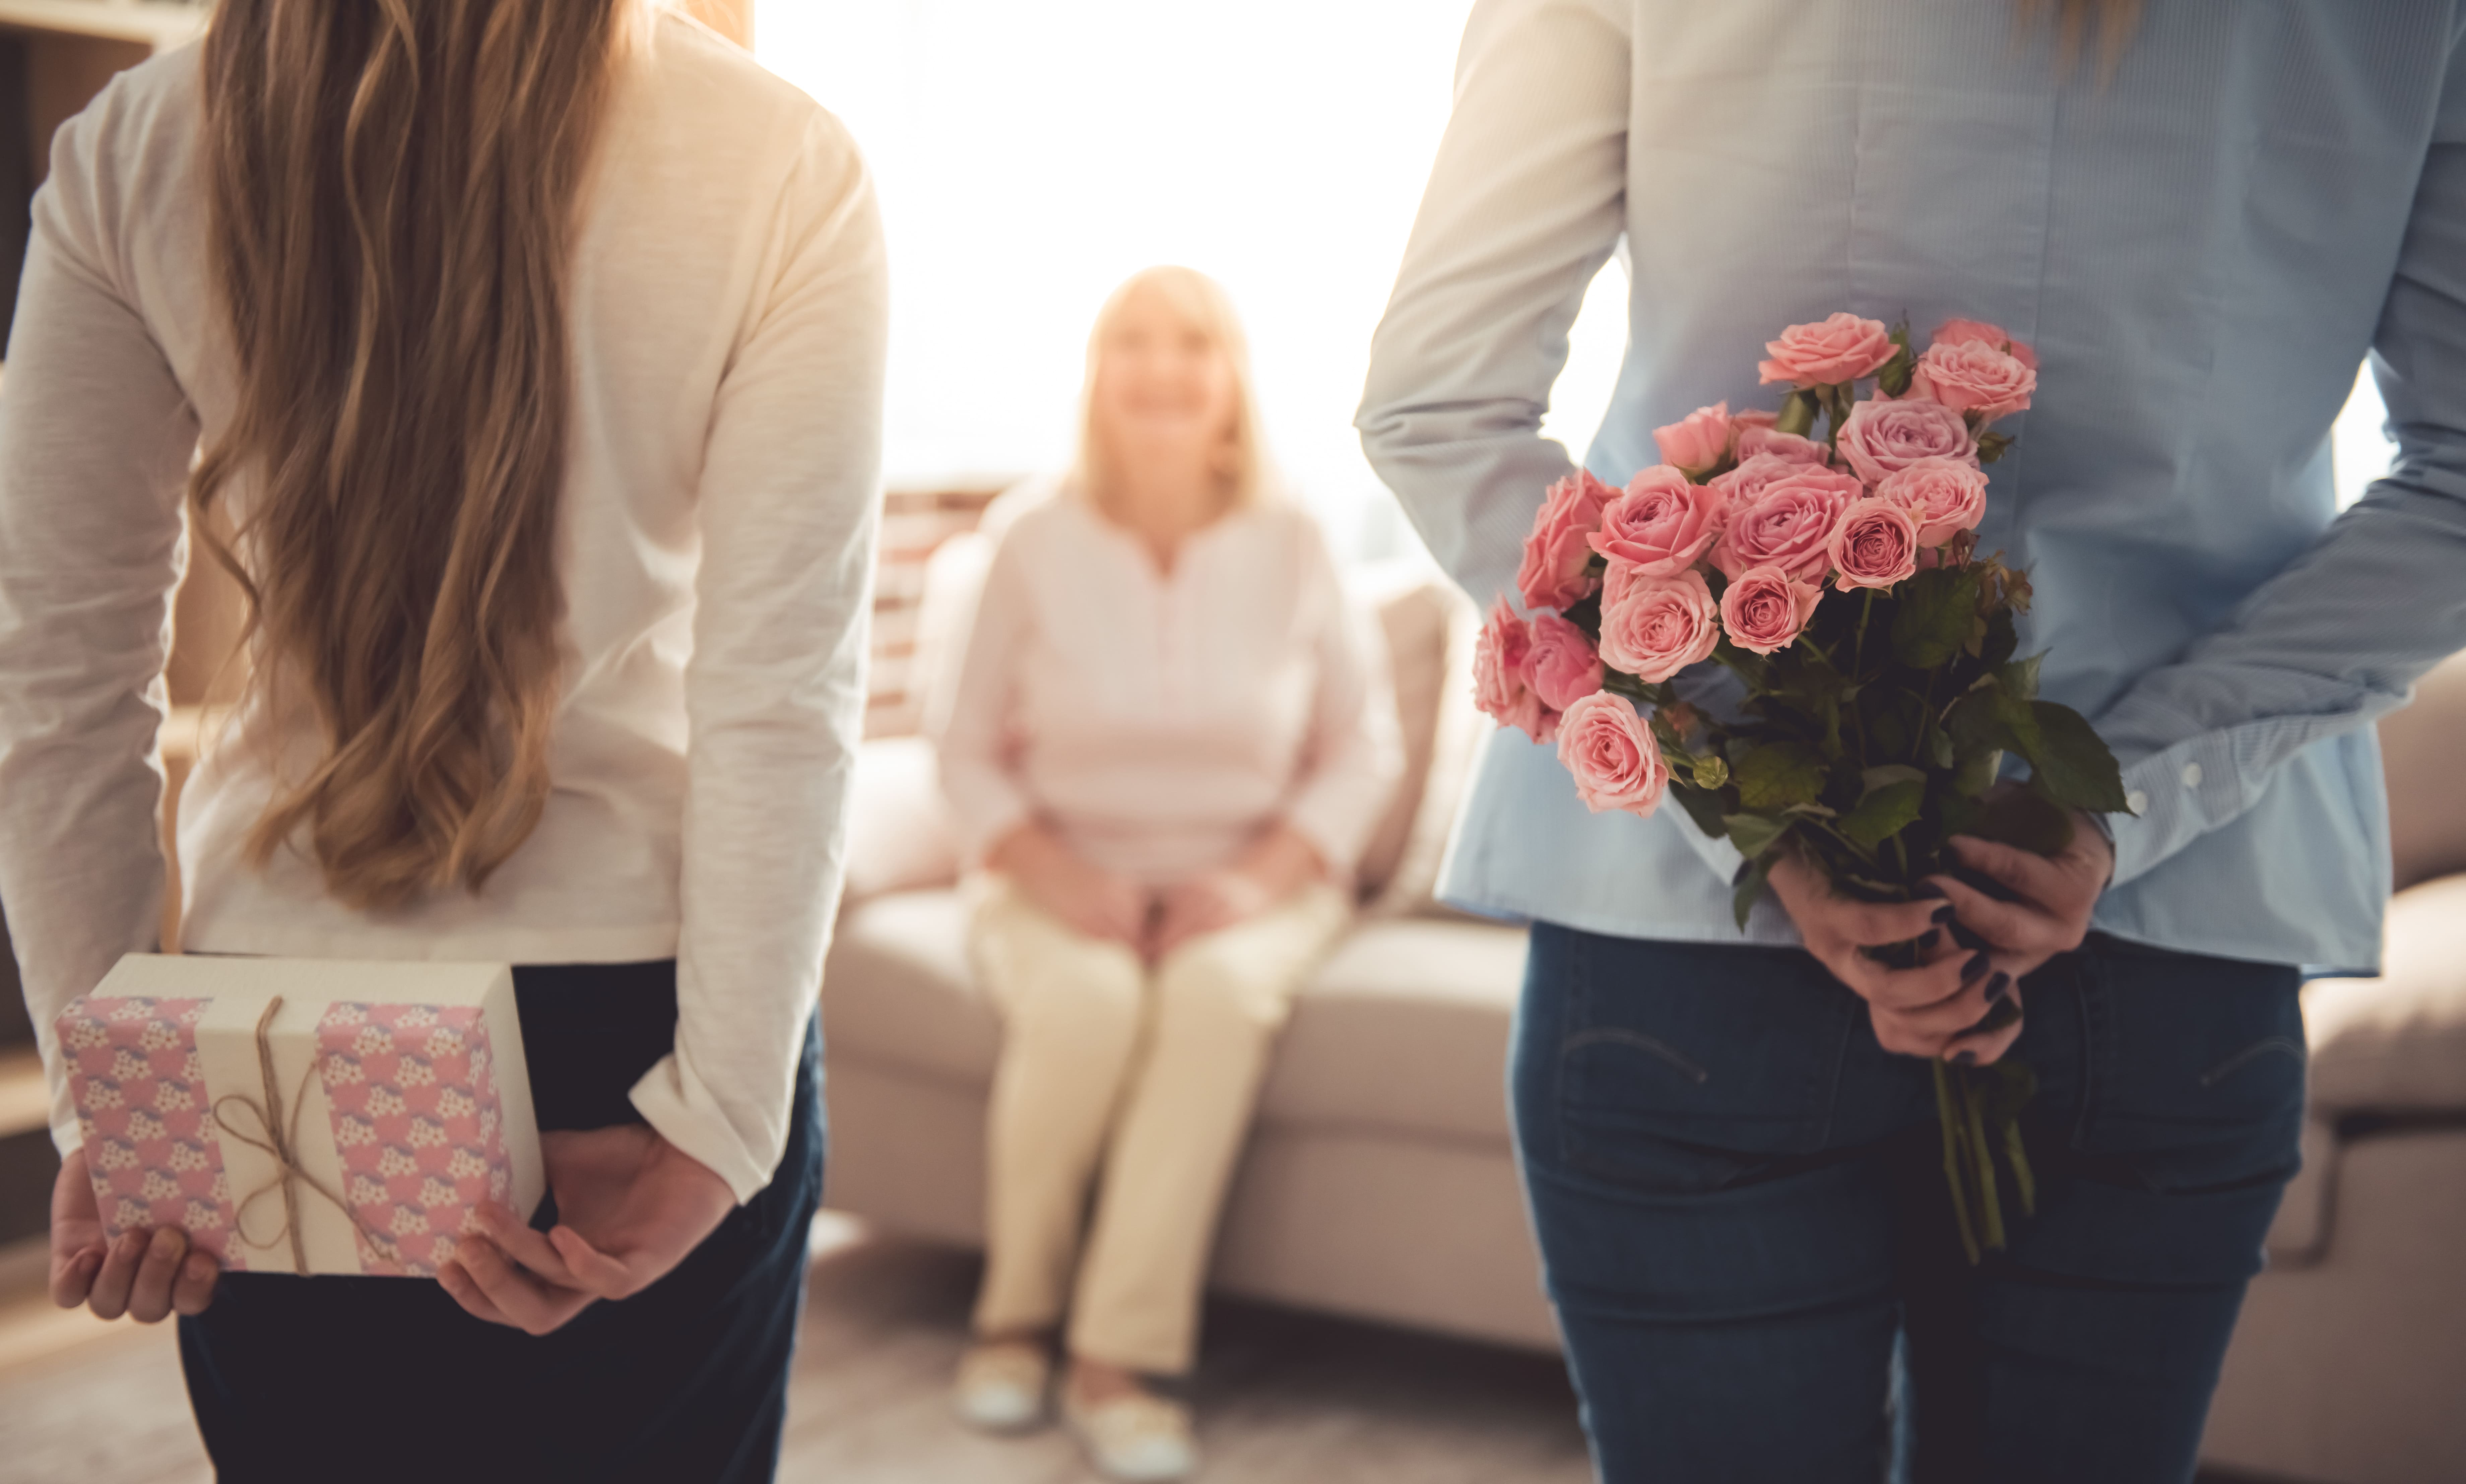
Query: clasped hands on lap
[
  {"x": 630, "y": 1207},
  {"x": 1152, "y": 921},
  {"x": 1934, "y": 1008}
]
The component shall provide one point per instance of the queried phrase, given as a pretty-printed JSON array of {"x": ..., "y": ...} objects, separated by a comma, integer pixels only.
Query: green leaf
[
  {"x": 1778, "y": 775},
  {"x": 1883, "y": 813},
  {"x": 1938, "y": 747},
  {"x": 1797, "y": 414},
  {"x": 2020, "y": 678},
  {"x": 1889, "y": 775},
  {"x": 2023, "y": 818},
  {"x": 1752, "y": 833},
  {"x": 1747, "y": 887},
  {"x": 1702, "y": 805},
  {"x": 2003, "y": 637},
  {"x": 1992, "y": 446},
  {"x": 2069, "y": 762},
  {"x": 1937, "y": 610}
]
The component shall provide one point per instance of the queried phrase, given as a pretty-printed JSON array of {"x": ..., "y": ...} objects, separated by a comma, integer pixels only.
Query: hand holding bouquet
[{"x": 1837, "y": 578}]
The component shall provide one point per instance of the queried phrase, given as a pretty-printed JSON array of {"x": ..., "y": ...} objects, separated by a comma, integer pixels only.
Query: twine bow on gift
[{"x": 281, "y": 1140}]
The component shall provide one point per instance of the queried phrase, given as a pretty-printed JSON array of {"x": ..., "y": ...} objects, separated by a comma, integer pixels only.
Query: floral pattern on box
[
  {"x": 149, "y": 1137},
  {"x": 418, "y": 1125}
]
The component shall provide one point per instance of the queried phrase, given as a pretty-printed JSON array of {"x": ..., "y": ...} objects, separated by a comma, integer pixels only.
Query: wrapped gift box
[{"x": 399, "y": 1090}]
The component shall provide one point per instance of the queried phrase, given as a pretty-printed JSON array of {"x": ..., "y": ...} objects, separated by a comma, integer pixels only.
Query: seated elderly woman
[{"x": 1168, "y": 738}]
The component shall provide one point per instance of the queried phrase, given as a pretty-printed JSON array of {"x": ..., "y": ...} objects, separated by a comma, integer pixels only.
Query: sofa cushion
[
  {"x": 1405, "y": 1028},
  {"x": 2397, "y": 1043},
  {"x": 2419, "y": 754},
  {"x": 1413, "y": 611},
  {"x": 897, "y": 989},
  {"x": 899, "y": 839}
]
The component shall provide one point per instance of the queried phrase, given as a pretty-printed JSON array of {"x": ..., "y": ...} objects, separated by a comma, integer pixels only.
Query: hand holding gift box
[{"x": 303, "y": 1116}]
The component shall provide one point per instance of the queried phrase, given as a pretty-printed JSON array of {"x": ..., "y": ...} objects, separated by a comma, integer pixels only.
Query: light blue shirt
[{"x": 2202, "y": 247}]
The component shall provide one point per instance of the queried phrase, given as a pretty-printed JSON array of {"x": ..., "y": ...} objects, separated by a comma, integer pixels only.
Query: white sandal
[
  {"x": 1137, "y": 1439},
  {"x": 1001, "y": 1386}
]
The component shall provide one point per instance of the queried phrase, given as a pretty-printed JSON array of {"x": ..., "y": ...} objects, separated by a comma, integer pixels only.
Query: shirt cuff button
[
  {"x": 2191, "y": 775},
  {"x": 2138, "y": 802}
]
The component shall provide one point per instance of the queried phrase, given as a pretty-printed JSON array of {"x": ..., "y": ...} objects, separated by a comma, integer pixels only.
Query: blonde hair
[
  {"x": 1203, "y": 304},
  {"x": 392, "y": 186}
]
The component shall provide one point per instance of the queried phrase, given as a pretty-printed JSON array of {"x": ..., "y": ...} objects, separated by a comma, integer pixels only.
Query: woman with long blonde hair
[
  {"x": 1168, "y": 738},
  {"x": 530, "y": 356}
]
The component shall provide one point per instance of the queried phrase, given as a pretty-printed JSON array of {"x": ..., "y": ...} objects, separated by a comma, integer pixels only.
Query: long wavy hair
[{"x": 393, "y": 191}]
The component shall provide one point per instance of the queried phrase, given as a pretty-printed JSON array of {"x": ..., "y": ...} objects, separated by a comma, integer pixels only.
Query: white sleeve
[
  {"x": 95, "y": 440},
  {"x": 774, "y": 692}
]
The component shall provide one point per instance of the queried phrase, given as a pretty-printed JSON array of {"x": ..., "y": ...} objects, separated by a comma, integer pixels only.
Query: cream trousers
[{"x": 1145, "y": 1074}]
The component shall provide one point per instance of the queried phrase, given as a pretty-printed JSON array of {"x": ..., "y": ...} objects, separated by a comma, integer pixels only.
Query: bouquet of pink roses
[{"x": 1837, "y": 578}]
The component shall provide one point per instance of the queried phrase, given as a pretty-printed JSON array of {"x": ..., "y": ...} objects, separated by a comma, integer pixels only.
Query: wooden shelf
[{"x": 156, "y": 23}]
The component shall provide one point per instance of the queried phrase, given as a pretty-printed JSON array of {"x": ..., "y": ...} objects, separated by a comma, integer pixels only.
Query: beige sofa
[{"x": 1379, "y": 1181}]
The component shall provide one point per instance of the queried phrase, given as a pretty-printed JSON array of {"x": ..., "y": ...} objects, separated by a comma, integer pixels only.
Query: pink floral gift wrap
[{"x": 389, "y": 1099}]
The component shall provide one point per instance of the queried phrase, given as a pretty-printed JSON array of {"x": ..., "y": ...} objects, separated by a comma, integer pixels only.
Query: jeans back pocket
[
  {"x": 1687, "y": 1068},
  {"x": 2196, "y": 1070}
]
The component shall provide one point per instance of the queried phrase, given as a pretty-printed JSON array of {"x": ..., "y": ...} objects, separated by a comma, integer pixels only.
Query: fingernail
[
  {"x": 1928, "y": 939},
  {"x": 1964, "y": 1058},
  {"x": 1945, "y": 912},
  {"x": 1996, "y": 986},
  {"x": 1976, "y": 966},
  {"x": 165, "y": 1241},
  {"x": 1927, "y": 890}
]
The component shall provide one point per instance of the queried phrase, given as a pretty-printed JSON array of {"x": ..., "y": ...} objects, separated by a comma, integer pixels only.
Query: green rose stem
[{"x": 1953, "y": 1163}]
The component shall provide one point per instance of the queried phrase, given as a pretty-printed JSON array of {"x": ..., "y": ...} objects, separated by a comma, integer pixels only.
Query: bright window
[{"x": 1031, "y": 156}]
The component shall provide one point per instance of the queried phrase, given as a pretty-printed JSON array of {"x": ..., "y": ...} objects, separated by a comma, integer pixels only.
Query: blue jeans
[
  {"x": 386, "y": 1379},
  {"x": 1744, "y": 1228}
]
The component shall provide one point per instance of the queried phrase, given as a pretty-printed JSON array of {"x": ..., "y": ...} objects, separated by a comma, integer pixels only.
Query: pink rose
[
  {"x": 1754, "y": 432},
  {"x": 1781, "y": 514},
  {"x": 1880, "y": 437},
  {"x": 1973, "y": 377},
  {"x": 1610, "y": 752},
  {"x": 1662, "y": 524},
  {"x": 1560, "y": 664},
  {"x": 1842, "y": 348},
  {"x": 1555, "y": 554},
  {"x": 1944, "y": 496},
  {"x": 1499, "y": 686},
  {"x": 1957, "y": 332},
  {"x": 1765, "y": 608},
  {"x": 1875, "y": 545},
  {"x": 1660, "y": 625},
  {"x": 1697, "y": 440}
]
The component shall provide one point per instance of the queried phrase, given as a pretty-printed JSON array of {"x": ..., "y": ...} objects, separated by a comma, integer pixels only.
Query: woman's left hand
[
  {"x": 1208, "y": 901},
  {"x": 1278, "y": 863},
  {"x": 630, "y": 1206}
]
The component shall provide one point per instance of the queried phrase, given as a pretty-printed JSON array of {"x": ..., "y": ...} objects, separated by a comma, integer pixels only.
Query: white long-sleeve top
[
  {"x": 1157, "y": 721},
  {"x": 727, "y": 331}
]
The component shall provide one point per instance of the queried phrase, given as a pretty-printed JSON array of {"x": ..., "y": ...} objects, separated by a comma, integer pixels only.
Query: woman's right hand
[
  {"x": 1919, "y": 1011},
  {"x": 146, "y": 1278},
  {"x": 1095, "y": 901}
]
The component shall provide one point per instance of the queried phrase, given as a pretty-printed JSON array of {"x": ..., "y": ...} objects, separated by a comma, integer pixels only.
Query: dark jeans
[
  {"x": 1742, "y": 1215},
  {"x": 381, "y": 1379}
]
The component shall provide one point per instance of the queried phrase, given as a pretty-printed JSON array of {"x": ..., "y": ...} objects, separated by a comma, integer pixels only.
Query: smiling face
[{"x": 1163, "y": 386}]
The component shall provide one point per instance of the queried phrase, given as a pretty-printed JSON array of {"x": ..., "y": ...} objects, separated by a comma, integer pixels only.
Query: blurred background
[{"x": 1378, "y": 1317}]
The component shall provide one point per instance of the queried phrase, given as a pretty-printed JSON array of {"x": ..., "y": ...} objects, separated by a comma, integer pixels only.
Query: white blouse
[
  {"x": 1158, "y": 721},
  {"x": 727, "y": 329}
]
